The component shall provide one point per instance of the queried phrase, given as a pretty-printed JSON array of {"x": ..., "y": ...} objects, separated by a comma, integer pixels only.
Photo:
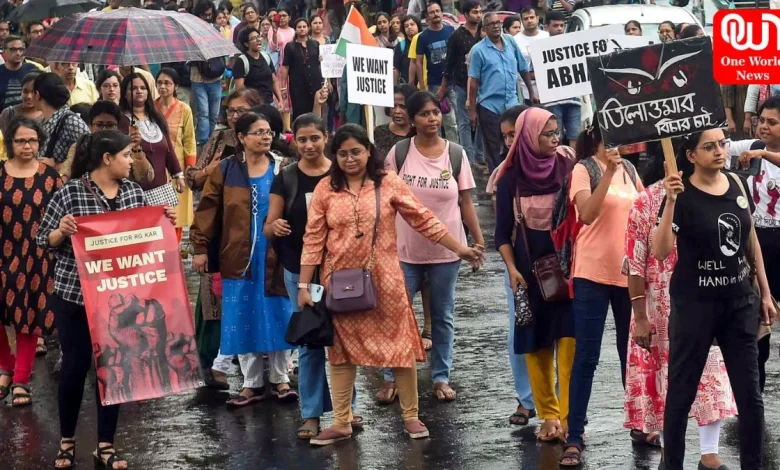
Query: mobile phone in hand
[{"x": 315, "y": 291}]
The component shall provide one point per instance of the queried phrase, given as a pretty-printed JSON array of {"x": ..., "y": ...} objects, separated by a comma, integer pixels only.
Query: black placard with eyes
[{"x": 657, "y": 91}]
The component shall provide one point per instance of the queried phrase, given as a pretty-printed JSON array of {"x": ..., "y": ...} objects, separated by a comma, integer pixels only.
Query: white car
[{"x": 649, "y": 16}]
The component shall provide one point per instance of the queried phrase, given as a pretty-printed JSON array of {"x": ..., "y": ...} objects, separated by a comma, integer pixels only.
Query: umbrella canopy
[
  {"x": 37, "y": 10},
  {"x": 130, "y": 36}
]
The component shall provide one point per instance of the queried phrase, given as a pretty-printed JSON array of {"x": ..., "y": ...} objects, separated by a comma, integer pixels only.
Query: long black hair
[
  {"x": 149, "y": 107},
  {"x": 91, "y": 148},
  {"x": 391, "y": 33},
  {"x": 688, "y": 143},
  {"x": 17, "y": 123},
  {"x": 52, "y": 89},
  {"x": 375, "y": 168}
]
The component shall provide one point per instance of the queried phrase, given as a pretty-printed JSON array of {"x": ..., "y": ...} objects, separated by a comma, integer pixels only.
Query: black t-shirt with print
[
  {"x": 291, "y": 246},
  {"x": 712, "y": 239}
]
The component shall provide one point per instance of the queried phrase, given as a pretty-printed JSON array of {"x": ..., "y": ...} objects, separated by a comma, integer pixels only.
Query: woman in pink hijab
[{"x": 534, "y": 171}]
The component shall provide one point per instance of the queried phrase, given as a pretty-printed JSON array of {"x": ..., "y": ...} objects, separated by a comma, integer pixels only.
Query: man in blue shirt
[
  {"x": 432, "y": 43},
  {"x": 496, "y": 61}
]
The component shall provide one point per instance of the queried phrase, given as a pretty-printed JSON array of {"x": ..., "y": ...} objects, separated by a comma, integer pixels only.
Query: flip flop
[
  {"x": 381, "y": 395},
  {"x": 258, "y": 394},
  {"x": 357, "y": 423},
  {"x": 442, "y": 388},
  {"x": 652, "y": 439},
  {"x": 328, "y": 437},
  {"x": 286, "y": 395},
  {"x": 41, "y": 349}
]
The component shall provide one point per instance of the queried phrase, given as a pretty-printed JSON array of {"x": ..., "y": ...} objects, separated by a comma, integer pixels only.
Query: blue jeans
[
  {"x": 312, "y": 379},
  {"x": 442, "y": 278},
  {"x": 569, "y": 119},
  {"x": 449, "y": 122},
  {"x": 517, "y": 361},
  {"x": 208, "y": 97},
  {"x": 473, "y": 147},
  {"x": 590, "y": 306}
]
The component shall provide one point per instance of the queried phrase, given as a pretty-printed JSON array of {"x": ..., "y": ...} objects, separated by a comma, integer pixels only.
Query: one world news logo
[{"x": 746, "y": 47}]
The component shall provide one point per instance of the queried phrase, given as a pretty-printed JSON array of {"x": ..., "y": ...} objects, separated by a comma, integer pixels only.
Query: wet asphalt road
[{"x": 196, "y": 431}]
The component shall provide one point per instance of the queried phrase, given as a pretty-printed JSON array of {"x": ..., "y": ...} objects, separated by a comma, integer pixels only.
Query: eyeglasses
[
  {"x": 551, "y": 134},
  {"x": 237, "y": 112},
  {"x": 26, "y": 142},
  {"x": 712, "y": 146},
  {"x": 254, "y": 39},
  {"x": 262, "y": 133},
  {"x": 16, "y": 50},
  {"x": 104, "y": 126},
  {"x": 354, "y": 153},
  {"x": 494, "y": 24}
]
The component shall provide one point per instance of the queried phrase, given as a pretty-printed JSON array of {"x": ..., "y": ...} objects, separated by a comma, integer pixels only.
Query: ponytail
[
  {"x": 80, "y": 156},
  {"x": 588, "y": 141},
  {"x": 91, "y": 148}
]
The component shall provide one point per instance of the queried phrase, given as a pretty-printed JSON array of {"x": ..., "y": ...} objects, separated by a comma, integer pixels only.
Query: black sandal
[
  {"x": 112, "y": 456},
  {"x": 521, "y": 419},
  {"x": 652, "y": 439},
  {"x": 5, "y": 390},
  {"x": 25, "y": 394},
  {"x": 571, "y": 455},
  {"x": 66, "y": 453}
]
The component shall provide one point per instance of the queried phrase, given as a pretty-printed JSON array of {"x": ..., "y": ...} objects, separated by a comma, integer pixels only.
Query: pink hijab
[{"x": 536, "y": 173}]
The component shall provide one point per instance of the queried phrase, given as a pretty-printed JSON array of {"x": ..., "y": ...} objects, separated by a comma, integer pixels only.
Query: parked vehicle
[{"x": 649, "y": 16}]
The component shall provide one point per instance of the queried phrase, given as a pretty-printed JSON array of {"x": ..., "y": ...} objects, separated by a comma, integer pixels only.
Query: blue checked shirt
[{"x": 75, "y": 199}]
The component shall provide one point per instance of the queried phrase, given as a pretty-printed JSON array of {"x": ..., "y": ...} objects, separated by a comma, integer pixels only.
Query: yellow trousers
[
  {"x": 541, "y": 373},
  {"x": 342, "y": 381}
]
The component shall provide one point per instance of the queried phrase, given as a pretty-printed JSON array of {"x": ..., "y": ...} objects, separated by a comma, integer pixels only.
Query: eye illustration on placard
[
  {"x": 671, "y": 73},
  {"x": 729, "y": 229}
]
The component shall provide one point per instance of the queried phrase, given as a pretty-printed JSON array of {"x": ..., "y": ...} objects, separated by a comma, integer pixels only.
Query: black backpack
[
  {"x": 212, "y": 68},
  {"x": 456, "y": 156}
]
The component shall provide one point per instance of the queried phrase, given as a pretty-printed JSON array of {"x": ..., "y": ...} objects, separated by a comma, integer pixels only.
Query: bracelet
[
  {"x": 303, "y": 285},
  {"x": 477, "y": 245},
  {"x": 638, "y": 297}
]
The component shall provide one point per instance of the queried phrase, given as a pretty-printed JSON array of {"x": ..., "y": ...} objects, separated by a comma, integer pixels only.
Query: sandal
[
  {"x": 357, "y": 423},
  {"x": 521, "y": 418},
  {"x": 309, "y": 429},
  {"x": 574, "y": 456},
  {"x": 67, "y": 452},
  {"x": 258, "y": 394},
  {"x": 550, "y": 431},
  {"x": 328, "y": 437},
  {"x": 387, "y": 394},
  {"x": 416, "y": 429},
  {"x": 5, "y": 389},
  {"x": 41, "y": 349},
  {"x": 652, "y": 439},
  {"x": 427, "y": 341},
  {"x": 443, "y": 392},
  {"x": 25, "y": 395},
  {"x": 284, "y": 394},
  {"x": 216, "y": 383},
  {"x": 110, "y": 460}
]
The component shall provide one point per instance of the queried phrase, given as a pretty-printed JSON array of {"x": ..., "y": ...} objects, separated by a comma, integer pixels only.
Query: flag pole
[{"x": 369, "y": 110}]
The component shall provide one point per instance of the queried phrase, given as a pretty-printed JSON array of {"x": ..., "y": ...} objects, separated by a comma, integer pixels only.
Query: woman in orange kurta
[{"x": 338, "y": 236}]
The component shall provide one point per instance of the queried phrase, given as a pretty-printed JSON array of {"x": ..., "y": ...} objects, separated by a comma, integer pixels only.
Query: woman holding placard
[{"x": 709, "y": 216}]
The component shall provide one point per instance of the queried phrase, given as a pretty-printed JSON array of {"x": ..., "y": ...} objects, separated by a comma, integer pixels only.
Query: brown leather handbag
[{"x": 547, "y": 270}]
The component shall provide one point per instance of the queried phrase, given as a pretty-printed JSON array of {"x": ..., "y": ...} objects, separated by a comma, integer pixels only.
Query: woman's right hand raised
[
  {"x": 614, "y": 160},
  {"x": 281, "y": 228},
  {"x": 68, "y": 225},
  {"x": 673, "y": 185}
]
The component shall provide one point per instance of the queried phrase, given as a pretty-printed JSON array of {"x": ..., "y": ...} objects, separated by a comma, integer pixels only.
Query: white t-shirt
[
  {"x": 764, "y": 188},
  {"x": 523, "y": 42}
]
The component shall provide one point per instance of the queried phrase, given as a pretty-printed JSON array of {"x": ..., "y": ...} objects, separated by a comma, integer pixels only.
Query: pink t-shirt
[
  {"x": 598, "y": 251},
  {"x": 431, "y": 180}
]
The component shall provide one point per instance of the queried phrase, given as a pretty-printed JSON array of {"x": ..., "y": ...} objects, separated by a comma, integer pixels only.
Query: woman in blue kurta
[{"x": 255, "y": 305}]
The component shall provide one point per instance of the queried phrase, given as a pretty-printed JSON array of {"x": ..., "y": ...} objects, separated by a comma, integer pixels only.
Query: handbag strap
[
  {"x": 520, "y": 222},
  {"x": 370, "y": 265},
  {"x": 89, "y": 187}
]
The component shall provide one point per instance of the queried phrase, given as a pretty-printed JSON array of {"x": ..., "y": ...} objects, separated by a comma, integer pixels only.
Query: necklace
[{"x": 356, "y": 213}]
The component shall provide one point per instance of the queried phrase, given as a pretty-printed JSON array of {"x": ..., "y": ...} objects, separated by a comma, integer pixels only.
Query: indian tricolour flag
[{"x": 354, "y": 31}]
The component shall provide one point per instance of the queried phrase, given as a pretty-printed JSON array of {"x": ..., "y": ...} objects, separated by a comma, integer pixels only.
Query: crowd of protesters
[{"x": 271, "y": 171}]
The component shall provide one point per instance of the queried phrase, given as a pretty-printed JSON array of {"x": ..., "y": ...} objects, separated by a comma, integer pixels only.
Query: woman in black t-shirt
[
  {"x": 302, "y": 66},
  {"x": 709, "y": 216},
  {"x": 261, "y": 74},
  {"x": 285, "y": 226}
]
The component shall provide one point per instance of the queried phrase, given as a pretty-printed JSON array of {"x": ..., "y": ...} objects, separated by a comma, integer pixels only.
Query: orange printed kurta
[{"x": 387, "y": 336}]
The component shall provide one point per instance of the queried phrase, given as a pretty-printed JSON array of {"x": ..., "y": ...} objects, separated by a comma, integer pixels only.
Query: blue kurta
[{"x": 252, "y": 322}]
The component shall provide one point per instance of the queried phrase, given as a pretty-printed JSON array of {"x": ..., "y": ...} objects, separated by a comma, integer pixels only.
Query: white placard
[
  {"x": 332, "y": 65},
  {"x": 559, "y": 61},
  {"x": 370, "y": 75}
]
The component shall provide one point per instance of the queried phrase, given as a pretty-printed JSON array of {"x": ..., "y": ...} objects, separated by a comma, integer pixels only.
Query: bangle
[
  {"x": 479, "y": 246},
  {"x": 637, "y": 297}
]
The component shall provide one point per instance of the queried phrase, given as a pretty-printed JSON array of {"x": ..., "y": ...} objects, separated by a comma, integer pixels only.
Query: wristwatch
[{"x": 303, "y": 285}]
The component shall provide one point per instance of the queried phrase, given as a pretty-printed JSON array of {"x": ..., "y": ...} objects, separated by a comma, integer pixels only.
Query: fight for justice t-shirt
[
  {"x": 432, "y": 181},
  {"x": 712, "y": 237}
]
